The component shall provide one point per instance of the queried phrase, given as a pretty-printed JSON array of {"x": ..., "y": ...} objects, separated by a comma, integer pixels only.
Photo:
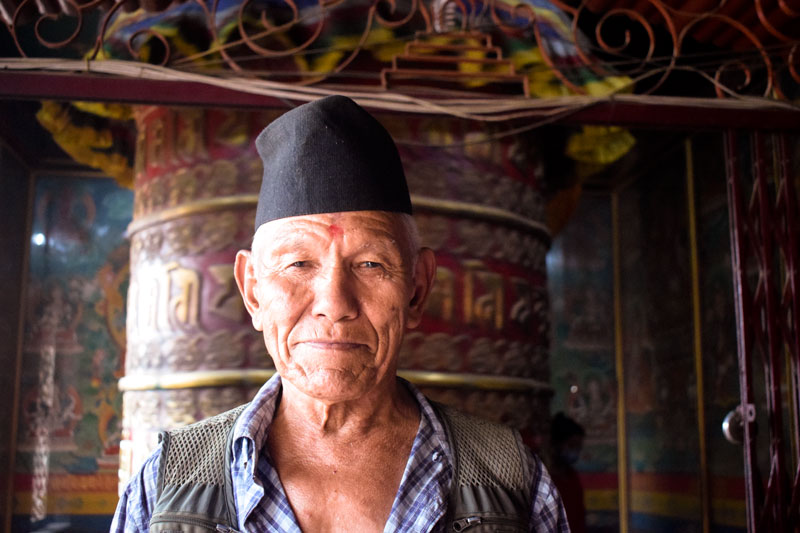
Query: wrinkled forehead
[{"x": 351, "y": 227}]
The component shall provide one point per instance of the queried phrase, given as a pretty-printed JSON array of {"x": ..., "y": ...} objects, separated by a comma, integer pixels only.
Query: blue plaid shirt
[{"x": 262, "y": 505}]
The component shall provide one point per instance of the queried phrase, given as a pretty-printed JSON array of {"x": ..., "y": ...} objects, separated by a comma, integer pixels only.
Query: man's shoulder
[
  {"x": 461, "y": 424},
  {"x": 197, "y": 448},
  {"x": 485, "y": 450},
  {"x": 221, "y": 421},
  {"x": 462, "y": 417}
]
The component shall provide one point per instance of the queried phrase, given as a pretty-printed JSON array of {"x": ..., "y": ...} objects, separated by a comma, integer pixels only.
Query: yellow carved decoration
[
  {"x": 191, "y": 131},
  {"x": 194, "y": 208},
  {"x": 224, "y": 175},
  {"x": 442, "y": 295},
  {"x": 522, "y": 308},
  {"x": 184, "y": 187},
  {"x": 233, "y": 130},
  {"x": 487, "y": 308},
  {"x": 142, "y": 304},
  {"x": 141, "y": 144},
  {"x": 155, "y": 144},
  {"x": 225, "y": 300},
  {"x": 151, "y": 304},
  {"x": 185, "y": 306},
  {"x": 257, "y": 376}
]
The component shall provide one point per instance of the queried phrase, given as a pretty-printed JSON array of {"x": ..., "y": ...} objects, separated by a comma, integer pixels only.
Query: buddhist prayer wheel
[{"x": 192, "y": 351}]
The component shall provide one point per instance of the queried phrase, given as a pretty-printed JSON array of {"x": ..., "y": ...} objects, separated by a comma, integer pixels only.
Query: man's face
[{"x": 333, "y": 295}]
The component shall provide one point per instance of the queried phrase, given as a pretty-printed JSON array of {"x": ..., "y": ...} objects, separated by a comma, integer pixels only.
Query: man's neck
[
  {"x": 387, "y": 405},
  {"x": 341, "y": 463}
]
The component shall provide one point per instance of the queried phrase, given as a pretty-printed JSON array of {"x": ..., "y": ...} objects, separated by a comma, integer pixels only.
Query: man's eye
[
  {"x": 371, "y": 264},
  {"x": 299, "y": 264}
]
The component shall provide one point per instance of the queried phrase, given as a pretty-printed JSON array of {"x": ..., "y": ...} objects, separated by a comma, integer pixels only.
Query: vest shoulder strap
[
  {"x": 194, "y": 492},
  {"x": 491, "y": 481}
]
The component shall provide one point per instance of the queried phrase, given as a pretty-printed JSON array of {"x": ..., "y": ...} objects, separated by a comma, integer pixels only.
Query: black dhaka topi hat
[{"x": 328, "y": 156}]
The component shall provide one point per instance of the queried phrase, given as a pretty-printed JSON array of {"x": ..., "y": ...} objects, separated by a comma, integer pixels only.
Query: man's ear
[
  {"x": 424, "y": 274},
  {"x": 244, "y": 273}
]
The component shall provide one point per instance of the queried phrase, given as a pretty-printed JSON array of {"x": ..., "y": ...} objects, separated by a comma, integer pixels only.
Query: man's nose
[{"x": 334, "y": 295}]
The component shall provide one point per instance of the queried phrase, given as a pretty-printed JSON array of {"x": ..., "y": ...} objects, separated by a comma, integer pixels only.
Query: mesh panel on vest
[
  {"x": 488, "y": 453},
  {"x": 191, "y": 457}
]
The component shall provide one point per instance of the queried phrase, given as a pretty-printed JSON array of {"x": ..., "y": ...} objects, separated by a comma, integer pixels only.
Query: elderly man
[{"x": 336, "y": 441}]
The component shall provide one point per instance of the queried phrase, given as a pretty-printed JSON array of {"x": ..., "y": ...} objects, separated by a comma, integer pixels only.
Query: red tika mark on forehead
[{"x": 335, "y": 231}]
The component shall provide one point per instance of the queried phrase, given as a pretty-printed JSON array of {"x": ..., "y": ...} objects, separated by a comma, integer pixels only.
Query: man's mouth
[{"x": 325, "y": 344}]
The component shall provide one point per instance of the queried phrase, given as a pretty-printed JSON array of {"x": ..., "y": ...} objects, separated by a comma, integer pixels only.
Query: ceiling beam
[{"x": 626, "y": 110}]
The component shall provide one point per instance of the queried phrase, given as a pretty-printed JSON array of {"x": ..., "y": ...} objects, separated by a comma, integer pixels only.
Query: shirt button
[{"x": 436, "y": 456}]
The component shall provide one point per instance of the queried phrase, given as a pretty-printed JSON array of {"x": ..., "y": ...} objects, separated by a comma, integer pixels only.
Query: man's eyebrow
[
  {"x": 385, "y": 250},
  {"x": 379, "y": 245},
  {"x": 285, "y": 241}
]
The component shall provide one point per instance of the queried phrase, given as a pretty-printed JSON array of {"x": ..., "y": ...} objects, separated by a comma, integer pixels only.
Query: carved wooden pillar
[{"x": 192, "y": 351}]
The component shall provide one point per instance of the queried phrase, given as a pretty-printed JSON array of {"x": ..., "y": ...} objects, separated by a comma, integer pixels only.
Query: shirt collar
[
  {"x": 255, "y": 420},
  {"x": 421, "y": 497}
]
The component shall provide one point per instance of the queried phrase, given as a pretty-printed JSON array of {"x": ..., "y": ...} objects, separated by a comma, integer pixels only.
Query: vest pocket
[{"x": 186, "y": 524}]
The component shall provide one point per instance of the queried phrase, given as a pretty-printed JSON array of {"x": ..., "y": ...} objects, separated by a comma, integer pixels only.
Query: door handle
[{"x": 733, "y": 423}]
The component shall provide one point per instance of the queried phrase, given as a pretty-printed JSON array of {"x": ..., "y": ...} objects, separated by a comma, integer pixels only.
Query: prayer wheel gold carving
[
  {"x": 196, "y": 180},
  {"x": 191, "y": 349}
]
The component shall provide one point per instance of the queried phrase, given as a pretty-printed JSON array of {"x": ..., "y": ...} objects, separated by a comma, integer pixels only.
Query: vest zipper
[
  {"x": 464, "y": 523},
  {"x": 225, "y": 529},
  {"x": 468, "y": 522}
]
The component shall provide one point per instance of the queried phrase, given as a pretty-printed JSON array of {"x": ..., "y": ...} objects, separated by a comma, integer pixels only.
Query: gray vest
[{"x": 490, "y": 491}]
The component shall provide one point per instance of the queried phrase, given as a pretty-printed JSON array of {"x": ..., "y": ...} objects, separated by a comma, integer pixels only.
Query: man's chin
[{"x": 335, "y": 385}]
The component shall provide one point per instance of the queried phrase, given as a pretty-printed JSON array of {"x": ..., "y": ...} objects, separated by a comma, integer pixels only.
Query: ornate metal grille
[
  {"x": 730, "y": 45},
  {"x": 765, "y": 230},
  {"x": 748, "y": 47}
]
